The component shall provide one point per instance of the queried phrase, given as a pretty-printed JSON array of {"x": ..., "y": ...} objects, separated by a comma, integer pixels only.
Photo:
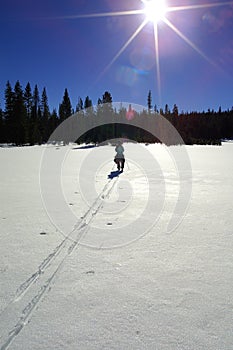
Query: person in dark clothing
[{"x": 119, "y": 157}]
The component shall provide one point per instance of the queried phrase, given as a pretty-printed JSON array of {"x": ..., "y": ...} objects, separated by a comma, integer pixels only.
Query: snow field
[{"x": 90, "y": 288}]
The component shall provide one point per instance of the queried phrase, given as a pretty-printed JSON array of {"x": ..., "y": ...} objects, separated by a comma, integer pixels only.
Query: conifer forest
[{"x": 26, "y": 119}]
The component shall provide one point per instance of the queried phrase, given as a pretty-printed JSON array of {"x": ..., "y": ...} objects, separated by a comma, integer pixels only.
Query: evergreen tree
[
  {"x": 104, "y": 108},
  {"x": 1, "y": 126},
  {"x": 79, "y": 106},
  {"x": 45, "y": 114},
  {"x": 156, "y": 109},
  {"x": 107, "y": 97},
  {"x": 89, "y": 110},
  {"x": 36, "y": 100},
  {"x": 87, "y": 103},
  {"x": 35, "y": 135},
  {"x": 28, "y": 105},
  {"x": 65, "y": 108},
  {"x": 19, "y": 116},
  {"x": 161, "y": 112},
  {"x": 175, "y": 111},
  {"x": 28, "y": 99},
  {"x": 53, "y": 122},
  {"x": 166, "y": 110},
  {"x": 8, "y": 114},
  {"x": 149, "y": 101}
]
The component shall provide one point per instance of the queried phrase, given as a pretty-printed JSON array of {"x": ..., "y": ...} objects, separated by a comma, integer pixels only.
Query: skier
[{"x": 119, "y": 157}]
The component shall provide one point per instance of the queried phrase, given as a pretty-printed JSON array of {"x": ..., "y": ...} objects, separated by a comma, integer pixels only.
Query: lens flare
[{"x": 153, "y": 11}]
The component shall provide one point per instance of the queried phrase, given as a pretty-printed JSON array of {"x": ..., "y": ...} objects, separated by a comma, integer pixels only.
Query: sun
[{"x": 155, "y": 10}]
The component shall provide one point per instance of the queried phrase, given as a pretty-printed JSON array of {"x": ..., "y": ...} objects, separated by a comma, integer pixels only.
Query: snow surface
[{"x": 95, "y": 267}]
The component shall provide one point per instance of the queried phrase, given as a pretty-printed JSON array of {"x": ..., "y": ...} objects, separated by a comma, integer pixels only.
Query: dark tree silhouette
[
  {"x": 2, "y": 128},
  {"x": 45, "y": 115},
  {"x": 19, "y": 116},
  {"x": 149, "y": 101},
  {"x": 65, "y": 108},
  {"x": 79, "y": 106},
  {"x": 8, "y": 114},
  {"x": 35, "y": 134},
  {"x": 26, "y": 118}
]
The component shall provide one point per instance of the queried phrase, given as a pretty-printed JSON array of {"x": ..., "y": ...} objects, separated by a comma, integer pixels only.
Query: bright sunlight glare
[{"x": 155, "y": 10}]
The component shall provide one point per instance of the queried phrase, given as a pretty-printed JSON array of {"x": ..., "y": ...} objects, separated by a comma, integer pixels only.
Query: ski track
[{"x": 27, "y": 297}]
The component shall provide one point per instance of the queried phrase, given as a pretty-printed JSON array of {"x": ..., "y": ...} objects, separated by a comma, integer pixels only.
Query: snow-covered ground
[{"x": 86, "y": 257}]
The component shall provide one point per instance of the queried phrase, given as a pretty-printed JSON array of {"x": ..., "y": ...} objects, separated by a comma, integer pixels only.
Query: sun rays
[{"x": 154, "y": 11}]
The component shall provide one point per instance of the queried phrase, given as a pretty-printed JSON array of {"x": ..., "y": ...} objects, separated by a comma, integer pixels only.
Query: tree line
[
  {"x": 206, "y": 127},
  {"x": 27, "y": 119}
]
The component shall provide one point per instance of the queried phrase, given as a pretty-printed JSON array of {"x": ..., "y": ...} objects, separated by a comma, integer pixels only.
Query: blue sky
[{"x": 48, "y": 44}]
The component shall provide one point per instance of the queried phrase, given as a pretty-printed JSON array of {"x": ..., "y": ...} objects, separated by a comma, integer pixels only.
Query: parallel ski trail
[{"x": 18, "y": 312}]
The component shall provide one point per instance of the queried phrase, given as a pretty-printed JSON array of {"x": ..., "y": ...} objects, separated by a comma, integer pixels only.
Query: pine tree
[
  {"x": 19, "y": 116},
  {"x": 45, "y": 115},
  {"x": 53, "y": 122},
  {"x": 65, "y": 108},
  {"x": 28, "y": 105},
  {"x": 79, "y": 106},
  {"x": 36, "y": 100},
  {"x": 28, "y": 99},
  {"x": 87, "y": 103},
  {"x": 35, "y": 135},
  {"x": 107, "y": 97},
  {"x": 156, "y": 109},
  {"x": 175, "y": 113},
  {"x": 1, "y": 127},
  {"x": 89, "y": 110},
  {"x": 149, "y": 101},
  {"x": 8, "y": 114},
  {"x": 166, "y": 110},
  {"x": 106, "y": 109}
]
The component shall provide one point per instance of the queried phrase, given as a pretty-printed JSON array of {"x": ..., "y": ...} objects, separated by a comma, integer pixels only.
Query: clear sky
[{"x": 189, "y": 62}]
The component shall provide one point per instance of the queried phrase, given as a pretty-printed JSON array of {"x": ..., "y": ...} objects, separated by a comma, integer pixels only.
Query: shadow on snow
[{"x": 114, "y": 174}]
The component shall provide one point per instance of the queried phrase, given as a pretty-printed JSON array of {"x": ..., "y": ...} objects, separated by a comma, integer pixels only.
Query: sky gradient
[{"x": 49, "y": 44}]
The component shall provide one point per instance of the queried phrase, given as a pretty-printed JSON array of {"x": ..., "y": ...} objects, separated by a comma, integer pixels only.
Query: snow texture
[{"x": 105, "y": 273}]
